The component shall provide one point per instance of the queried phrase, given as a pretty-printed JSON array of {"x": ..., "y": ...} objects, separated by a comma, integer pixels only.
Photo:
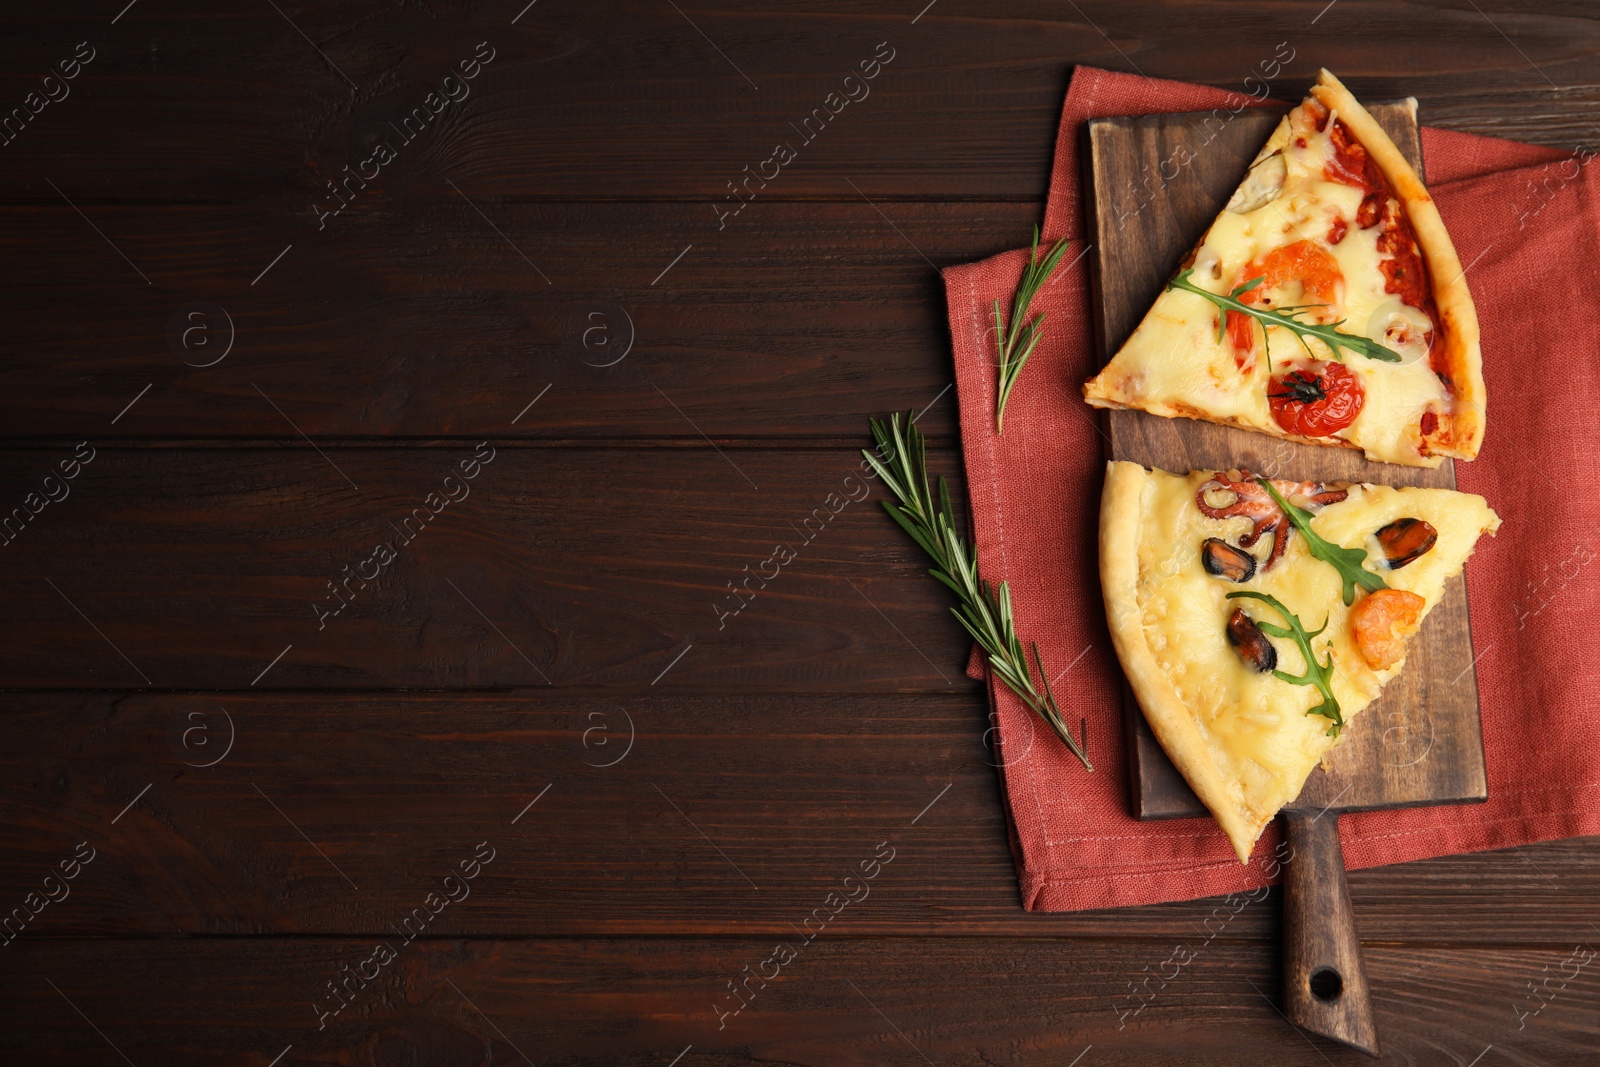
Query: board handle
[{"x": 1324, "y": 979}]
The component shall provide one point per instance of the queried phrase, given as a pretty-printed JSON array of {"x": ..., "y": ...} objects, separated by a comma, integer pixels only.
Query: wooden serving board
[{"x": 1421, "y": 742}]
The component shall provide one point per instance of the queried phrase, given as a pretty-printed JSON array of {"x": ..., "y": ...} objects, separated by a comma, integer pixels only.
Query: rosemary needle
[
  {"x": 1020, "y": 337},
  {"x": 901, "y": 461}
]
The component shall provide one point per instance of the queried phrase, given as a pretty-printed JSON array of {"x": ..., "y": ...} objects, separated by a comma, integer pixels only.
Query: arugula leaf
[
  {"x": 1329, "y": 333},
  {"x": 1347, "y": 561},
  {"x": 1316, "y": 674}
]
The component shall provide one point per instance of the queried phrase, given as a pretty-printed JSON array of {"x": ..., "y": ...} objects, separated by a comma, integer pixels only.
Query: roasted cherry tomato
[{"x": 1315, "y": 399}]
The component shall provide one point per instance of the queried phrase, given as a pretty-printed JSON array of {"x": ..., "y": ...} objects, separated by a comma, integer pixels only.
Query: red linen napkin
[{"x": 1526, "y": 221}]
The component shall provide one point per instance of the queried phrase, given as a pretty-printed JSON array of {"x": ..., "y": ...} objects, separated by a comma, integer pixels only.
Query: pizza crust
[
  {"x": 1121, "y": 511},
  {"x": 1460, "y": 432}
]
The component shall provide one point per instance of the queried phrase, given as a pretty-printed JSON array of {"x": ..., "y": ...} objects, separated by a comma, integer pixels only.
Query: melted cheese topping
[
  {"x": 1255, "y": 726},
  {"x": 1173, "y": 364}
]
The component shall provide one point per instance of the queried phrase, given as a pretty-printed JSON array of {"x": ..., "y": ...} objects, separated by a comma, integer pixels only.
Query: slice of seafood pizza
[{"x": 1256, "y": 618}]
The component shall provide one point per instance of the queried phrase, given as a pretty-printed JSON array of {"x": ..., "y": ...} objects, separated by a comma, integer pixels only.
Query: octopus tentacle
[{"x": 1253, "y": 502}]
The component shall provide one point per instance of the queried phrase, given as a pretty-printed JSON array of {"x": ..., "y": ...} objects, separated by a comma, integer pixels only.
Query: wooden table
[{"x": 374, "y": 684}]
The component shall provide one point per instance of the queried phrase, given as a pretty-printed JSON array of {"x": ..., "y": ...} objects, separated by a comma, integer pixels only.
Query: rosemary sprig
[
  {"x": 1317, "y": 674},
  {"x": 901, "y": 461},
  {"x": 1347, "y": 561},
  {"x": 1329, "y": 334},
  {"x": 1022, "y": 333}
]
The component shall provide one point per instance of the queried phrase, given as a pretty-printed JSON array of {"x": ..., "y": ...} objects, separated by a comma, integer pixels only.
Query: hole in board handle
[{"x": 1326, "y": 984}]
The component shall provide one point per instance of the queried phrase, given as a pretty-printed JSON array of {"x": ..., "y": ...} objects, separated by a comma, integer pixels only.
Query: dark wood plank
[
  {"x": 802, "y": 320},
  {"x": 186, "y": 100},
  {"x": 593, "y": 566},
  {"x": 1384, "y": 763},
  {"x": 392, "y": 787},
  {"x": 839, "y": 1000}
]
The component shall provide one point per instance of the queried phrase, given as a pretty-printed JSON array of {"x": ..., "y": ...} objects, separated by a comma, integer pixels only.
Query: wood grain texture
[
  {"x": 842, "y": 1001},
  {"x": 563, "y": 566},
  {"x": 1325, "y": 987},
  {"x": 798, "y": 320},
  {"x": 187, "y": 101},
  {"x": 395, "y": 788},
  {"x": 1421, "y": 741}
]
